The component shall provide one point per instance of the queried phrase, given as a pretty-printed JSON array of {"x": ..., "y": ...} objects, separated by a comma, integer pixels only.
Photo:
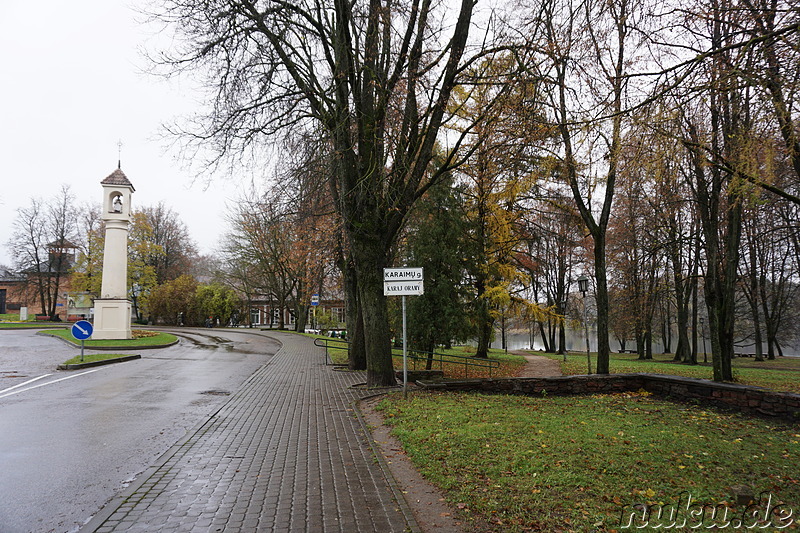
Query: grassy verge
[
  {"x": 338, "y": 355},
  {"x": 94, "y": 357},
  {"x": 11, "y": 321},
  {"x": 581, "y": 463},
  {"x": 781, "y": 374},
  {"x": 510, "y": 365},
  {"x": 146, "y": 338},
  {"x": 29, "y": 325}
]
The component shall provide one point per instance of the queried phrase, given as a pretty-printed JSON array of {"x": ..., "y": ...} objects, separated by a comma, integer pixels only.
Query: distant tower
[{"x": 112, "y": 311}]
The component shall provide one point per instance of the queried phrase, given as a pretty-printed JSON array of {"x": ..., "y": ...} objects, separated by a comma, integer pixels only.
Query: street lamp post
[
  {"x": 703, "y": 334},
  {"x": 562, "y": 347},
  {"x": 583, "y": 286}
]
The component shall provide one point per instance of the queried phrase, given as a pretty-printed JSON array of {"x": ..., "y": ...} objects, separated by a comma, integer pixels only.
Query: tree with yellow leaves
[{"x": 500, "y": 167}]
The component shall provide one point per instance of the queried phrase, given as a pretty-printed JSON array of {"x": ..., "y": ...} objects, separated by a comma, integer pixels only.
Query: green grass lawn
[
  {"x": 30, "y": 325},
  {"x": 781, "y": 374},
  {"x": 154, "y": 339},
  {"x": 11, "y": 321},
  {"x": 513, "y": 463}
]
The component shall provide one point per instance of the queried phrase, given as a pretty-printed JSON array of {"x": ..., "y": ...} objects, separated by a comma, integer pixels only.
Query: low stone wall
[{"x": 749, "y": 400}]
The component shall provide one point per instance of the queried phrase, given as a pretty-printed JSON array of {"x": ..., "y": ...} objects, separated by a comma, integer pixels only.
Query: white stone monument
[{"x": 112, "y": 310}]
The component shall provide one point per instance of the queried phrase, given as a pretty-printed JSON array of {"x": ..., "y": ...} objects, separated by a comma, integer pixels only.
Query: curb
[
  {"x": 110, "y": 348},
  {"x": 153, "y": 347},
  {"x": 79, "y": 366},
  {"x": 402, "y": 503},
  {"x": 97, "y": 520}
]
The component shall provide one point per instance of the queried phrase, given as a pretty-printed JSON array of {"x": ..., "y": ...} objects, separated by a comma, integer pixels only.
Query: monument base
[{"x": 112, "y": 319}]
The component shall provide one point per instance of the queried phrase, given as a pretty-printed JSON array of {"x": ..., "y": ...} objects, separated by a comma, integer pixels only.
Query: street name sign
[{"x": 402, "y": 282}]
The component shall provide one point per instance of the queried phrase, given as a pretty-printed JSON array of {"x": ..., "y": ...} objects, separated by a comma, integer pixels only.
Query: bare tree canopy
[
  {"x": 43, "y": 245},
  {"x": 375, "y": 76}
]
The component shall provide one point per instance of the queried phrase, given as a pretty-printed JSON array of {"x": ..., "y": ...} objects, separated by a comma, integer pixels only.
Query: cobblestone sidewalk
[{"x": 285, "y": 453}]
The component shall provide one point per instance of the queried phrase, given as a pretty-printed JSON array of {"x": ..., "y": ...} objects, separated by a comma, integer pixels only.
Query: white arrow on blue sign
[{"x": 82, "y": 329}]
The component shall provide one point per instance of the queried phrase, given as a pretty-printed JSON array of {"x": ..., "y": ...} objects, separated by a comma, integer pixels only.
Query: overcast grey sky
[{"x": 72, "y": 88}]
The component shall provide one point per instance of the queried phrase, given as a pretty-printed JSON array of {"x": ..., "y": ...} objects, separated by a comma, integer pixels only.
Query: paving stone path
[{"x": 287, "y": 452}]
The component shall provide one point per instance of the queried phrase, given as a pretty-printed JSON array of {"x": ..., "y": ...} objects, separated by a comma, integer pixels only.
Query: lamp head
[{"x": 583, "y": 283}]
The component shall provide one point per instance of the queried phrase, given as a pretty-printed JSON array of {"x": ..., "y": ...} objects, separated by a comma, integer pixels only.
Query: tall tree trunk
[
  {"x": 357, "y": 354},
  {"x": 601, "y": 282},
  {"x": 695, "y": 302},
  {"x": 769, "y": 322},
  {"x": 545, "y": 339},
  {"x": 504, "y": 340},
  {"x": 754, "y": 295},
  {"x": 682, "y": 287},
  {"x": 683, "y": 350},
  {"x": 641, "y": 341},
  {"x": 369, "y": 258},
  {"x": 484, "y": 318}
]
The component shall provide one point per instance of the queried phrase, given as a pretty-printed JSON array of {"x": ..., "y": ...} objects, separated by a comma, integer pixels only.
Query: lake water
[{"x": 576, "y": 342}]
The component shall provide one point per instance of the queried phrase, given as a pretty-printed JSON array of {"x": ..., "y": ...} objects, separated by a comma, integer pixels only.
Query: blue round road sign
[{"x": 82, "y": 329}]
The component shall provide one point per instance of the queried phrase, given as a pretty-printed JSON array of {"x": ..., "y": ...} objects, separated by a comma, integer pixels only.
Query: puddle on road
[
  {"x": 216, "y": 392},
  {"x": 220, "y": 342}
]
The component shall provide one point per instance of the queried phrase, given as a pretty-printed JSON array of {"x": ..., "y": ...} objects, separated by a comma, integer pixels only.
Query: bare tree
[
  {"x": 375, "y": 76},
  {"x": 177, "y": 251},
  {"x": 43, "y": 246},
  {"x": 552, "y": 237},
  {"x": 585, "y": 53}
]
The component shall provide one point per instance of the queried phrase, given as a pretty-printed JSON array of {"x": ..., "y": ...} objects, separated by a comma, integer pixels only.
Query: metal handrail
[
  {"x": 327, "y": 345},
  {"x": 441, "y": 358},
  {"x": 416, "y": 355}
]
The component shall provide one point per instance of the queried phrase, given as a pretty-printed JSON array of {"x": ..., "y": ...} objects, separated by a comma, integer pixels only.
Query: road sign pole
[
  {"x": 405, "y": 358},
  {"x": 402, "y": 282},
  {"x": 82, "y": 330}
]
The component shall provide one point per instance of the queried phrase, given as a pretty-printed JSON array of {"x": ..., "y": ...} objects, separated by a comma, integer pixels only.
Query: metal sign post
[
  {"x": 405, "y": 354},
  {"x": 82, "y": 330},
  {"x": 402, "y": 282},
  {"x": 314, "y": 304}
]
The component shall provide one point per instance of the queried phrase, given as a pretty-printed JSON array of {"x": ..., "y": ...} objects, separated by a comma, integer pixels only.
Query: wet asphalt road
[{"x": 67, "y": 446}]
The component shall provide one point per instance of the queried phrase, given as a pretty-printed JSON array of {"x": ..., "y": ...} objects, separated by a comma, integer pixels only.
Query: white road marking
[
  {"x": 23, "y": 384},
  {"x": 49, "y": 383}
]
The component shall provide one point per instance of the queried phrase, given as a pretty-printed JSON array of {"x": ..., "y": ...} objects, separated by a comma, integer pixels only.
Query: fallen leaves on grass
[{"x": 570, "y": 463}]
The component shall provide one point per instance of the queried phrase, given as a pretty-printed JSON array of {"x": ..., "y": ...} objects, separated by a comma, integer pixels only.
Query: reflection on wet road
[{"x": 70, "y": 440}]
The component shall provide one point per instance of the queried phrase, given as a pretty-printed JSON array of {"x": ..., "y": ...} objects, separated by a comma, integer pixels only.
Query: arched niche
[{"x": 116, "y": 202}]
